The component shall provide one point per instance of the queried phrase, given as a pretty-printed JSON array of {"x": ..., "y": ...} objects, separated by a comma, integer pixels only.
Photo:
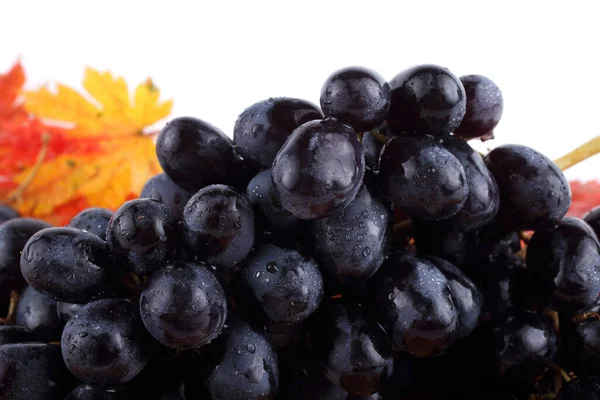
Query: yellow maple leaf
[{"x": 103, "y": 158}]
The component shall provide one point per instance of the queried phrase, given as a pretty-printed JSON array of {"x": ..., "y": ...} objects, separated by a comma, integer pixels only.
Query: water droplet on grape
[{"x": 272, "y": 267}]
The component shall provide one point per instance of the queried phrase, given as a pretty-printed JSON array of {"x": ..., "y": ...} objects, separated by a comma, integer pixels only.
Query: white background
[{"x": 217, "y": 57}]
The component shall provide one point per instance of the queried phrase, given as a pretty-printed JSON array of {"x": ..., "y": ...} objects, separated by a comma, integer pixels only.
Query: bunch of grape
[{"x": 357, "y": 250}]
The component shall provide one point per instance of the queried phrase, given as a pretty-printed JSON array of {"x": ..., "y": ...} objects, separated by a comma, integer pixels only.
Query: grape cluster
[{"x": 357, "y": 250}]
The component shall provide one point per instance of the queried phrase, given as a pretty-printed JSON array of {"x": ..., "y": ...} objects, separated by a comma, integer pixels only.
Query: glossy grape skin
[
  {"x": 372, "y": 148},
  {"x": 268, "y": 211},
  {"x": 241, "y": 365},
  {"x": 439, "y": 239},
  {"x": 593, "y": 220},
  {"x": 534, "y": 193},
  {"x": 319, "y": 169},
  {"x": 14, "y": 234},
  {"x": 565, "y": 261},
  {"x": 105, "y": 342},
  {"x": 218, "y": 226},
  {"x": 92, "y": 220},
  {"x": 483, "y": 200},
  {"x": 11, "y": 334},
  {"x": 420, "y": 176},
  {"x": 262, "y": 128},
  {"x": 68, "y": 265},
  {"x": 286, "y": 284},
  {"x": 415, "y": 305},
  {"x": 525, "y": 345},
  {"x": 351, "y": 246},
  {"x": 31, "y": 371},
  {"x": 162, "y": 188},
  {"x": 426, "y": 99},
  {"x": 183, "y": 306},
  {"x": 37, "y": 313},
  {"x": 467, "y": 297},
  {"x": 66, "y": 310},
  {"x": 88, "y": 392},
  {"x": 484, "y": 108},
  {"x": 584, "y": 388},
  {"x": 581, "y": 346},
  {"x": 195, "y": 154},
  {"x": 356, "y": 96},
  {"x": 7, "y": 212},
  {"x": 140, "y": 236}
]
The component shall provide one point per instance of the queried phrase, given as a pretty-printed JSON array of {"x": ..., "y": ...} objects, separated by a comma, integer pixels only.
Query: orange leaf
[
  {"x": 89, "y": 151},
  {"x": 585, "y": 196},
  {"x": 10, "y": 86}
]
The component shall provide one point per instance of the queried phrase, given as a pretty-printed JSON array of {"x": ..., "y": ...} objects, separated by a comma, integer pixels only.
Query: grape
[
  {"x": 286, "y": 284},
  {"x": 441, "y": 240},
  {"x": 356, "y": 353},
  {"x": 140, "y": 236},
  {"x": 319, "y": 169},
  {"x": 593, "y": 220},
  {"x": 356, "y": 96},
  {"x": 68, "y": 265},
  {"x": 372, "y": 148},
  {"x": 581, "y": 345},
  {"x": 416, "y": 305},
  {"x": 195, "y": 154},
  {"x": 31, "y": 371},
  {"x": 565, "y": 261},
  {"x": 584, "y": 388},
  {"x": 10, "y": 334},
  {"x": 162, "y": 188},
  {"x": 351, "y": 246},
  {"x": 105, "y": 343},
  {"x": 269, "y": 212},
  {"x": 7, "y": 212},
  {"x": 420, "y": 176},
  {"x": 92, "y": 220},
  {"x": 525, "y": 345},
  {"x": 262, "y": 128},
  {"x": 66, "y": 310},
  {"x": 13, "y": 236},
  {"x": 468, "y": 298},
  {"x": 484, "y": 108},
  {"x": 87, "y": 392},
  {"x": 483, "y": 200},
  {"x": 183, "y": 306},
  {"x": 426, "y": 99},
  {"x": 241, "y": 365},
  {"x": 218, "y": 226},
  {"x": 37, "y": 313},
  {"x": 534, "y": 193}
]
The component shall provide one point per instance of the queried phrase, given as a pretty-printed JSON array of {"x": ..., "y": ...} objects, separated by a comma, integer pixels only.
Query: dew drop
[
  {"x": 251, "y": 349},
  {"x": 272, "y": 267}
]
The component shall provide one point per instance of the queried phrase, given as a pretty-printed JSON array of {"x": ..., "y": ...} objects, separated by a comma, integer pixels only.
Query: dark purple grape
[
  {"x": 68, "y": 265},
  {"x": 351, "y": 246},
  {"x": 262, "y": 128},
  {"x": 240, "y": 365},
  {"x": 13, "y": 236},
  {"x": 105, "y": 342},
  {"x": 141, "y": 236},
  {"x": 415, "y": 304},
  {"x": 420, "y": 176},
  {"x": 162, "y": 188},
  {"x": 218, "y": 226},
  {"x": 355, "y": 351},
  {"x": 484, "y": 108},
  {"x": 439, "y": 239},
  {"x": 483, "y": 200},
  {"x": 356, "y": 96},
  {"x": 88, "y": 392},
  {"x": 10, "y": 334},
  {"x": 581, "y": 346},
  {"x": 426, "y": 99},
  {"x": 372, "y": 146},
  {"x": 287, "y": 285},
  {"x": 66, "y": 310},
  {"x": 593, "y": 220},
  {"x": 269, "y": 213},
  {"x": 534, "y": 192},
  {"x": 37, "y": 313},
  {"x": 7, "y": 212},
  {"x": 319, "y": 169},
  {"x": 584, "y": 388},
  {"x": 565, "y": 262},
  {"x": 31, "y": 371},
  {"x": 92, "y": 220},
  {"x": 467, "y": 297},
  {"x": 196, "y": 154},
  {"x": 183, "y": 306},
  {"x": 525, "y": 346}
]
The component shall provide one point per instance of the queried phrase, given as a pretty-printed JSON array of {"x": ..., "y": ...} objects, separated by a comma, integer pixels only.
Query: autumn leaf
[
  {"x": 92, "y": 152},
  {"x": 10, "y": 86},
  {"x": 585, "y": 196}
]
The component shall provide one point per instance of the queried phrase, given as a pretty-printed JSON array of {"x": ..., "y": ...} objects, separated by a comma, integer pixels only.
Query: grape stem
[
  {"x": 12, "y": 306},
  {"x": 579, "y": 154}
]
